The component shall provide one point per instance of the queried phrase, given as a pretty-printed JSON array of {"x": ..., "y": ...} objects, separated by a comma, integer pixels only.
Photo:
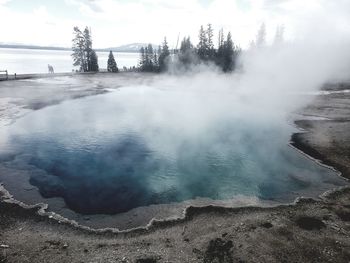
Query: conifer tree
[
  {"x": 142, "y": 62},
  {"x": 228, "y": 64},
  {"x": 226, "y": 54},
  {"x": 210, "y": 52},
  {"x": 164, "y": 56},
  {"x": 83, "y": 54},
  {"x": 279, "y": 36},
  {"x": 88, "y": 48},
  {"x": 148, "y": 59},
  {"x": 187, "y": 52},
  {"x": 111, "y": 64},
  {"x": 203, "y": 44},
  {"x": 156, "y": 62},
  {"x": 146, "y": 64},
  {"x": 220, "y": 54},
  {"x": 79, "y": 58},
  {"x": 261, "y": 36},
  {"x": 150, "y": 55},
  {"x": 93, "y": 62},
  {"x": 221, "y": 38},
  {"x": 159, "y": 52}
]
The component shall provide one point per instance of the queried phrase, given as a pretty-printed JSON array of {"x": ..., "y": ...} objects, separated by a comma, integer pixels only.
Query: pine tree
[
  {"x": 150, "y": 56},
  {"x": 148, "y": 59},
  {"x": 156, "y": 62},
  {"x": 164, "y": 56},
  {"x": 83, "y": 54},
  {"x": 203, "y": 44},
  {"x": 111, "y": 64},
  {"x": 159, "y": 52},
  {"x": 79, "y": 58},
  {"x": 142, "y": 62},
  {"x": 279, "y": 36},
  {"x": 220, "y": 54},
  {"x": 146, "y": 65},
  {"x": 228, "y": 54},
  {"x": 210, "y": 52},
  {"x": 187, "y": 52},
  {"x": 93, "y": 62},
  {"x": 261, "y": 36},
  {"x": 88, "y": 48},
  {"x": 221, "y": 38}
]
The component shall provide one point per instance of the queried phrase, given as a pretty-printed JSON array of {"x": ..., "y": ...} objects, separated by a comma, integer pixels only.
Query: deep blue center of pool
[{"x": 139, "y": 146}]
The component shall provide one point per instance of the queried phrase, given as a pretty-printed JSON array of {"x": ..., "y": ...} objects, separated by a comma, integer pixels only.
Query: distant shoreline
[
  {"x": 51, "y": 75},
  {"x": 32, "y": 47}
]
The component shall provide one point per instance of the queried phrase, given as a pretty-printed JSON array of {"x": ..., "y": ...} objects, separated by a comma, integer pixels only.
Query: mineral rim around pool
[{"x": 122, "y": 158}]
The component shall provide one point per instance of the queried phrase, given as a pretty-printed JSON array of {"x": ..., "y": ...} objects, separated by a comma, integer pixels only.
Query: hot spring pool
[{"x": 141, "y": 146}]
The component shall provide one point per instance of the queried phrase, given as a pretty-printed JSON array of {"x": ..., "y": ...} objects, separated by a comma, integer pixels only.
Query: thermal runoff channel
[{"x": 173, "y": 140}]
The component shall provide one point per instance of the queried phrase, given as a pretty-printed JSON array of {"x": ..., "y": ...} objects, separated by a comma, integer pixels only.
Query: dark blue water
[{"x": 140, "y": 146}]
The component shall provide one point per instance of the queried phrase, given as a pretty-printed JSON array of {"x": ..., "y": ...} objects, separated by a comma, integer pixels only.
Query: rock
[
  {"x": 219, "y": 250},
  {"x": 196, "y": 251},
  {"x": 3, "y": 258},
  {"x": 148, "y": 259},
  {"x": 53, "y": 242},
  {"x": 343, "y": 215},
  {"x": 310, "y": 223},
  {"x": 266, "y": 225}
]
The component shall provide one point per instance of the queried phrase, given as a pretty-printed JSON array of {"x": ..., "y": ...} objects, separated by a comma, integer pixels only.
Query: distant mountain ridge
[
  {"x": 132, "y": 48},
  {"x": 22, "y": 46}
]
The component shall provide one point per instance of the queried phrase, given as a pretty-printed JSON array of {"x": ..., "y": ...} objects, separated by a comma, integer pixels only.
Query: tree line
[
  {"x": 154, "y": 60},
  {"x": 158, "y": 60},
  {"x": 224, "y": 56},
  {"x": 85, "y": 56}
]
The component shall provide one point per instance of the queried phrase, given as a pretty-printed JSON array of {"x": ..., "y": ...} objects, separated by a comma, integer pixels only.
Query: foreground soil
[{"x": 309, "y": 231}]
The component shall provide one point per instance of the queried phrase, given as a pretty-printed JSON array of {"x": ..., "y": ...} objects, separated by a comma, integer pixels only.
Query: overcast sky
[{"x": 118, "y": 22}]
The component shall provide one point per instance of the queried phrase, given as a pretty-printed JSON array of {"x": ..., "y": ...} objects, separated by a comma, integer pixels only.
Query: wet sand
[{"x": 308, "y": 231}]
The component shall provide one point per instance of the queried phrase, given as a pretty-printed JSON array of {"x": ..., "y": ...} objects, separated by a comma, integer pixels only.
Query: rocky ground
[{"x": 309, "y": 231}]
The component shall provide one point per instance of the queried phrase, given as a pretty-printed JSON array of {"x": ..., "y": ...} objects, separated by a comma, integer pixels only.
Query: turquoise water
[{"x": 139, "y": 146}]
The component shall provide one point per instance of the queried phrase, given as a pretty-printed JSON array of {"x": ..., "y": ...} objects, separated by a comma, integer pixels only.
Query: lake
[{"x": 26, "y": 61}]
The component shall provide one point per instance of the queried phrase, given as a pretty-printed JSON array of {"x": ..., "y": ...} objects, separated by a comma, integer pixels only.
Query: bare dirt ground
[{"x": 309, "y": 231}]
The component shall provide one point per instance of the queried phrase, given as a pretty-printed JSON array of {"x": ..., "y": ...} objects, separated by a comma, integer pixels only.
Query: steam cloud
[{"x": 178, "y": 116}]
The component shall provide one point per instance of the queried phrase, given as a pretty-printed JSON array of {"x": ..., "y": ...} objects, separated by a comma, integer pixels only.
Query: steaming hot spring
[{"x": 143, "y": 151}]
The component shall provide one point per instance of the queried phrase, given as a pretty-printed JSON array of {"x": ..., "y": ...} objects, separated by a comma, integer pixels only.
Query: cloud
[
  {"x": 86, "y": 5},
  {"x": 2, "y": 2},
  {"x": 116, "y": 22},
  {"x": 35, "y": 27}
]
